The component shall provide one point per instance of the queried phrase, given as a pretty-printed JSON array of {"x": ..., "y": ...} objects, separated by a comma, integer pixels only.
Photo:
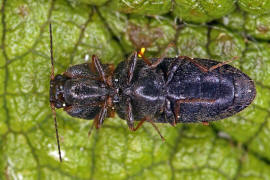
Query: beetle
[{"x": 157, "y": 90}]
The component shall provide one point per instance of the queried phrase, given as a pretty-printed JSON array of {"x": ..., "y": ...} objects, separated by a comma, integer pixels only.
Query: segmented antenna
[
  {"x": 51, "y": 50},
  {"x": 52, "y": 104}
]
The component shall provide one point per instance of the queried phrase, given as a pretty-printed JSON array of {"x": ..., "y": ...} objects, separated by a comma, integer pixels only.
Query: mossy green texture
[
  {"x": 3, "y": 122},
  {"x": 234, "y": 20},
  {"x": 255, "y": 6},
  {"x": 150, "y": 7},
  {"x": 139, "y": 31},
  {"x": 2, "y": 79},
  {"x": 94, "y": 2},
  {"x": 192, "y": 41},
  {"x": 201, "y": 11},
  {"x": 224, "y": 44},
  {"x": 258, "y": 26},
  {"x": 253, "y": 168},
  {"x": 234, "y": 148}
]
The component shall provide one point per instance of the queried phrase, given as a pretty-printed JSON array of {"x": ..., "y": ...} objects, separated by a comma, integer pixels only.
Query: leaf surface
[{"x": 234, "y": 148}]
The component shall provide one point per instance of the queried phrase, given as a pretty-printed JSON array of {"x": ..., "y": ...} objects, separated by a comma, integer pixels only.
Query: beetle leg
[
  {"x": 102, "y": 115},
  {"x": 139, "y": 124},
  {"x": 221, "y": 64},
  {"x": 98, "y": 66},
  {"x": 200, "y": 66},
  {"x": 111, "y": 69},
  {"x": 130, "y": 118},
  {"x": 156, "y": 63},
  {"x": 91, "y": 128},
  {"x": 95, "y": 123},
  {"x": 177, "y": 111},
  {"x": 206, "y": 69},
  {"x": 172, "y": 70},
  {"x": 111, "y": 111},
  {"x": 156, "y": 128},
  {"x": 153, "y": 124},
  {"x": 132, "y": 60},
  {"x": 177, "y": 63},
  {"x": 96, "y": 62}
]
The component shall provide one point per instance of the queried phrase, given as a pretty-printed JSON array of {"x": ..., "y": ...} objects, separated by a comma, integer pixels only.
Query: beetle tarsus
[
  {"x": 91, "y": 129},
  {"x": 206, "y": 69},
  {"x": 139, "y": 124},
  {"x": 222, "y": 64},
  {"x": 160, "y": 59},
  {"x": 156, "y": 128},
  {"x": 102, "y": 115},
  {"x": 99, "y": 68},
  {"x": 193, "y": 61}
]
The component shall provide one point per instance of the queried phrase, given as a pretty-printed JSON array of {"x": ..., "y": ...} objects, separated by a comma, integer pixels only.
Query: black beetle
[{"x": 158, "y": 90}]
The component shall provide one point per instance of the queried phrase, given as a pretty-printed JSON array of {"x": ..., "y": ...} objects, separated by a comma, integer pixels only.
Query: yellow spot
[{"x": 141, "y": 52}]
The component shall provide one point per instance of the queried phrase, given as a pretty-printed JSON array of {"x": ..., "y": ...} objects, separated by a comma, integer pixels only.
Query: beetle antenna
[
  {"x": 56, "y": 132},
  {"x": 52, "y": 104},
  {"x": 51, "y": 50}
]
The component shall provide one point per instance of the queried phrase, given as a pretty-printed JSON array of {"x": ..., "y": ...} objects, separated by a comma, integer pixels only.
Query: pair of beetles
[{"x": 157, "y": 90}]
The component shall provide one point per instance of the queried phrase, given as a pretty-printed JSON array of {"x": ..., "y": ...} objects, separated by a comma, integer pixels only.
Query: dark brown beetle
[{"x": 157, "y": 90}]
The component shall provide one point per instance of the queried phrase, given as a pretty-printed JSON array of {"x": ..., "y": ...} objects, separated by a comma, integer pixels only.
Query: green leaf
[
  {"x": 94, "y": 2},
  {"x": 192, "y": 41},
  {"x": 258, "y": 26},
  {"x": 139, "y": 31},
  {"x": 149, "y": 7},
  {"x": 200, "y": 11},
  {"x": 224, "y": 44},
  {"x": 255, "y": 6},
  {"x": 234, "y": 20},
  {"x": 233, "y": 148}
]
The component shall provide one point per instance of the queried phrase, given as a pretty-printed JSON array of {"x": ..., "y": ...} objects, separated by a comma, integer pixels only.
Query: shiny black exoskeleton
[{"x": 174, "y": 90}]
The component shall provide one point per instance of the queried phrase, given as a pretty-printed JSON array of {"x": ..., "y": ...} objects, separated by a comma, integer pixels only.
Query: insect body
[
  {"x": 182, "y": 90},
  {"x": 164, "y": 90}
]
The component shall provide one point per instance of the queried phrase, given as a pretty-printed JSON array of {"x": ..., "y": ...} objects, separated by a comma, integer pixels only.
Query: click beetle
[{"x": 157, "y": 90}]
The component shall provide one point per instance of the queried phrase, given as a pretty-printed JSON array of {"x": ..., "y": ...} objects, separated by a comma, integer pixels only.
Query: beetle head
[{"x": 57, "y": 90}]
